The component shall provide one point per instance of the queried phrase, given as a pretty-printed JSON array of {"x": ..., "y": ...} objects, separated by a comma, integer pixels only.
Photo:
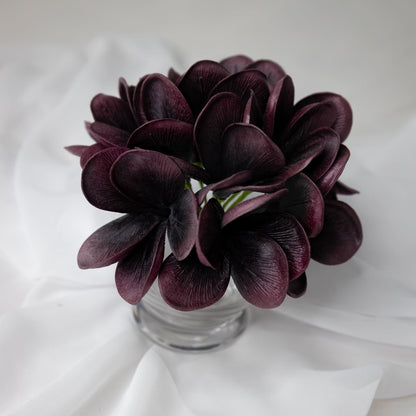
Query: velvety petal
[
  {"x": 328, "y": 180},
  {"x": 251, "y": 205},
  {"x": 233, "y": 180},
  {"x": 161, "y": 98},
  {"x": 341, "y": 235},
  {"x": 222, "y": 110},
  {"x": 272, "y": 186},
  {"x": 107, "y": 135},
  {"x": 305, "y": 121},
  {"x": 114, "y": 241},
  {"x": 198, "y": 81},
  {"x": 77, "y": 149},
  {"x": 136, "y": 272},
  {"x": 149, "y": 178},
  {"x": 291, "y": 236},
  {"x": 273, "y": 71},
  {"x": 168, "y": 136},
  {"x": 343, "y": 120},
  {"x": 174, "y": 76},
  {"x": 209, "y": 244},
  {"x": 182, "y": 224},
  {"x": 90, "y": 152},
  {"x": 305, "y": 152},
  {"x": 297, "y": 287},
  {"x": 188, "y": 285},
  {"x": 252, "y": 111},
  {"x": 138, "y": 114},
  {"x": 341, "y": 188},
  {"x": 190, "y": 170},
  {"x": 259, "y": 269},
  {"x": 279, "y": 108},
  {"x": 322, "y": 162},
  {"x": 114, "y": 111},
  {"x": 245, "y": 146},
  {"x": 242, "y": 83},
  {"x": 305, "y": 202},
  {"x": 236, "y": 63},
  {"x": 97, "y": 186},
  {"x": 126, "y": 92}
]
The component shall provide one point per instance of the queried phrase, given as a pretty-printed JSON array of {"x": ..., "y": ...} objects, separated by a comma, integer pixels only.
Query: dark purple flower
[
  {"x": 342, "y": 234},
  {"x": 180, "y": 156},
  {"x": 150, "y": 188},
  {"x": 154, "y": 115},
  {"x": 259, "y": 242},
  {"x": 235, "y": 155}
]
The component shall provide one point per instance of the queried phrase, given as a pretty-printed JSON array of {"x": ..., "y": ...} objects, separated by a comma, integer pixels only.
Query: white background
[{"x": 67, "y": 342}]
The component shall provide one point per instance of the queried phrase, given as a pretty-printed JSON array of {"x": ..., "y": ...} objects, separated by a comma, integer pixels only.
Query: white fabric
[{"x": 69, "y": 345}]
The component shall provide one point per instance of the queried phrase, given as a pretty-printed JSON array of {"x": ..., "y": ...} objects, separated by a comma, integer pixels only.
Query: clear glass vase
[{"x": 205, "y": 329}]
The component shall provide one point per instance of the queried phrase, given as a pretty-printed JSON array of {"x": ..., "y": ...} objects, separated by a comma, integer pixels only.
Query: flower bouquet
[{"x": 223, "y": 165}]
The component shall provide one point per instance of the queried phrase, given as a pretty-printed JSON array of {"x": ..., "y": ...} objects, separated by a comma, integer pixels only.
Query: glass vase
[{"x": 204, "y": 329}]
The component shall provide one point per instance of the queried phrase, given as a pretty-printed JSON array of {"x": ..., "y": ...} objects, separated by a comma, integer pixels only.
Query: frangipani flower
[
  {"x": 242, "y": 182},
  {"x": 150, "y": 188}
]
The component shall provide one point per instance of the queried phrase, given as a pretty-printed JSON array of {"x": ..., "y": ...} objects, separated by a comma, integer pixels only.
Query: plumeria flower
[
  {"x": 342, "y": 233},
  {"x": 138, "y": 120},
  {"x": 242, "y": 182},
  {"x": 150, "y": 188},
  {"x": 261, "y": 243}
]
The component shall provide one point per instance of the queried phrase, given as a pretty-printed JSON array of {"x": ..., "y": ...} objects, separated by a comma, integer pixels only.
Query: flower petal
[
  {"x": 304, "y": 201},
  {"x": 150, "y": 178},
  {"x": 77, "y": 149},
  {"x": 136, "y": 272},
  {"x": 343, "y": 120},
  {"x": 221, "y": 110},
  {"x": 209, "y": 245},
  {"x": 188, "y": 285},
  {"x": 273, "y": 71},
  {"x": 341, "y": 235},
  {"x": 272, "y": 186},
  {"x": 259, "y": 269},
  {"x": 251, "y": 205},
  {"x": 190, "y": 170},
  {"x": 198, "y": 81},
  {"x": 246, "y": 147},
  {"x": 322, "y": 162},
  {"x": 305, "y": 121},
  {"x": 252, "y": 112},
  {"x": 161, "y": 98},
  {"x": 182, "y": 224},
  {"x": 89, "y": 152},
  {"x": 341, "y": 188},
  {"x": 328, "y": 180},
  {"x": 292, "y": 238},
  {"x": 97, "y": 186},
  {"x": 174, "y": 76},
  {"x": 114, "y": 111},
  {"x": 113, "y": 241},
  {"x": 236, "y": 63},
  {"x": 126, "y": 92},
  {"x": 140, "y": 118},
  {"x": 230, "y": 182},
  {"x": 297, "y": 287},
  {"x": 279, "y": 108},
  {"x": 242, "y": 83},
  {"x": 107, "y": 135},
  {"x": 168, "y": 136}
]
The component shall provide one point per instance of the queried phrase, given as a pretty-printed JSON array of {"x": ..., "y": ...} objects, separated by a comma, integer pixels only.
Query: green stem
[
  {"x": 241, "y": 198},
  {"x": 230, "y": 199}
]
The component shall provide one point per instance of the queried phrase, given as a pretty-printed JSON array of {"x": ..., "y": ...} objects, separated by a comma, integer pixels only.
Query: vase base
[{"x": 179, "y": 335}]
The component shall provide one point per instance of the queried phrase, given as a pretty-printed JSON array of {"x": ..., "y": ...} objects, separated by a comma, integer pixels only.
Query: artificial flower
[{"x": 220, "y": 161}]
